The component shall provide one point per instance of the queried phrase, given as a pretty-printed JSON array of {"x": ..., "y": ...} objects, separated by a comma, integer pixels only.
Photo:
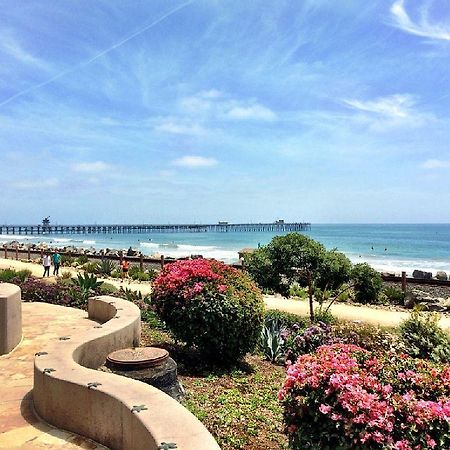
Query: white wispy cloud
[
  {"x": 218, "y": 105},
  {"x": 37, "y": 184},
  {"x": 10, "y": 46},
  {"x": 251, "y": 112},
  {"x": 195, "y": 161},
  {"x": 174, "y": 126},
  {"x": 97, "y": 166},
  {"x": 398, "y": 105},
  {"x": 436, "y": 164},
  {"x": 421, "y": 27}
]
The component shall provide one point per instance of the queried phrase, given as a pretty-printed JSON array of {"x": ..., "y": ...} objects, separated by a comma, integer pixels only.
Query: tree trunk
[{"x": 310, "y": 294}]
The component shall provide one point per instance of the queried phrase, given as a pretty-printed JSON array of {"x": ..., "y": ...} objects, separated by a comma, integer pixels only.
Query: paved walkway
[{"x": 20, "y": 428}]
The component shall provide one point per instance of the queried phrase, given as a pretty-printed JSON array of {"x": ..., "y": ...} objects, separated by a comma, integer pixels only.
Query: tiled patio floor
[{"x": 19, "y": 426}]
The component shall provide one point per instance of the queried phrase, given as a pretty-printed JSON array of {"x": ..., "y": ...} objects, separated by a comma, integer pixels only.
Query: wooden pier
[{"x": 278, "y": 226}]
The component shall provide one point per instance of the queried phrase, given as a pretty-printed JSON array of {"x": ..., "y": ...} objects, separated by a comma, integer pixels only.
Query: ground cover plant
[
  {"x": 425, "y": 338},
  {"x": 237, "y": 404},
  {"x": 211, "y": 306}
]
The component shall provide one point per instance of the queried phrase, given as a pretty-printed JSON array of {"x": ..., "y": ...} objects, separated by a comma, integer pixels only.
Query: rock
[
  {"x": 427, "y": 299},
  {"x": 441, "y": 275},
  {"x": 410, "y": 300},
  {"x": 435, "y": 307},
  {"x": 387, "y": 274},
  {"x": 445, "y": 303},
  {"x": 422, "y": 275}
]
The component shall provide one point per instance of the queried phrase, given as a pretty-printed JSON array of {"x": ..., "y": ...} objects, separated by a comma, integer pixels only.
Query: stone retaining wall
[
  {"x": 10, "y": 317},
  {"x": 118, "y": 412}
]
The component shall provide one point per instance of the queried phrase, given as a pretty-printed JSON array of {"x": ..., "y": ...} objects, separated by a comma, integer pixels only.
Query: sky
[{"x": 167, "y": 111}]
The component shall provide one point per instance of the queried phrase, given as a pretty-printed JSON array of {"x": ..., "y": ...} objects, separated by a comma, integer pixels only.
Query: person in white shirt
[{"x": 46, "y": 262}]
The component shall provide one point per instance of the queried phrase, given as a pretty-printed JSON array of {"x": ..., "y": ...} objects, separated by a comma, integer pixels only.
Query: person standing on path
[
  {"x": 125, "y": 267},
  {"x": 46, "y": 262},
  {"x": 56, "y": 263}
]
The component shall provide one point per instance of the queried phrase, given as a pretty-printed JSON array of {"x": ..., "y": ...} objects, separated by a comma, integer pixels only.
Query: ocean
[{"x": 386, "y": 247}]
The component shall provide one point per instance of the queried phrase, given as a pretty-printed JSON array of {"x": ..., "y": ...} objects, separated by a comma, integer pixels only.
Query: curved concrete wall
[
  {"x": 118, "y": 412},
  {"x": 10, "y": 317}
]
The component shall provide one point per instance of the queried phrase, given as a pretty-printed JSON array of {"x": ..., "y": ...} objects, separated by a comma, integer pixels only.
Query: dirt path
[
  {"x": 366, "y": 314},
  {"x": 347, "y": 312},
  {"x": 37, "y": 271}
]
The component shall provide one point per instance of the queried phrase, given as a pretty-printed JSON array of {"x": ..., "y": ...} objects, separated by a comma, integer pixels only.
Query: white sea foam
[
  {"x": 398, "y": 265},
  {"x": 17, "y": 237},
  {"x": 89, "y": 242},
  {"x": 183, "y": 250}
]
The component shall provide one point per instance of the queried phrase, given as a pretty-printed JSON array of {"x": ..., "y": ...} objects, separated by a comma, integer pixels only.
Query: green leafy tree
[
  {"x": 367, "y": 283},
  {"x": 334, "y": 269}
]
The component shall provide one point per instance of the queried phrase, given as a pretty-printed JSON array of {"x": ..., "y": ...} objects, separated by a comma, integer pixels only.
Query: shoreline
[{"x": 226, "y": 250}]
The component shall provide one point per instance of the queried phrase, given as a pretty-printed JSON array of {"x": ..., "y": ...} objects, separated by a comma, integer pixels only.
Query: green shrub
[
  {"x": 296, "y": 258},
  {"x": 8, "y": 275},
  {"x": 295, "y": 290},
  {"x": 106, "y": 266},
  {"x": 369, "y": 337},
  {"x": 333, "y": 270},
  {"x": 322, "y": 314},
  {"x": 394, "y": 296},
  {"x": 424, "y": 338},
  {"x": 259, "y": 266},
  {"x": 67, "y": 260},
  {"x": 116, "y": 273},
  {"x": 136, "y": 274},
  {"x": 367, "y": 283},
  {"x": 83, "y": 259},
  {"x": 286, "y": 319},
  {"x": 108, "y": 288},
  {"x": 91, "y": 267},
  {"x": 66, "y": 275},
  {"x": 210, "y": 305}
]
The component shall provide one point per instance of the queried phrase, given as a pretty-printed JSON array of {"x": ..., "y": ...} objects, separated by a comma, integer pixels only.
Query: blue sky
[{"x": 169, "y": 111}]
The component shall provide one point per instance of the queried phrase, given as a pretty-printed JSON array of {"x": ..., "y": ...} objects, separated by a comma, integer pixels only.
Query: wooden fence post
[
  {"x": 141, "y": 262},
  {"x": 404, "y": 281},
  {"x": 162, "y": 262}
]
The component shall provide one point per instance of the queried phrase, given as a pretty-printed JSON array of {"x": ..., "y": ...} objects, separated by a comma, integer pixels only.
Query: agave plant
[
  {"x": 87, "y": 283},
  {"x": 106, "y": 267},
  {"x": 272, "y": 342}
]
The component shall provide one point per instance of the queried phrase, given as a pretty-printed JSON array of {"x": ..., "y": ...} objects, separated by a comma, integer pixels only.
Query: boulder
[
  {"x": 435, "y": 307},
  {"x": 410, "y": 300},
  {"x": 441, "y": 275},
  {"x": 422, "y": 275}
]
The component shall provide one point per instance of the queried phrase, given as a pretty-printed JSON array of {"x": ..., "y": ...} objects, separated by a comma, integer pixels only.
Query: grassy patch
[{"x": 238, "y": 405}]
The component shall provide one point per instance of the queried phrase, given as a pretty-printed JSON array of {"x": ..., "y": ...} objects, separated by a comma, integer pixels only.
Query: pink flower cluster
[
  {"x": 188, "y": 279},
  {"x": 346, "y": 391}
]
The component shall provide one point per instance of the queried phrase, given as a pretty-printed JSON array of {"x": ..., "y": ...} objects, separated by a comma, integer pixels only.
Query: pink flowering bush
[
  {"x": 210, "y": 305},
  {"x": 345, "y": 397}
]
